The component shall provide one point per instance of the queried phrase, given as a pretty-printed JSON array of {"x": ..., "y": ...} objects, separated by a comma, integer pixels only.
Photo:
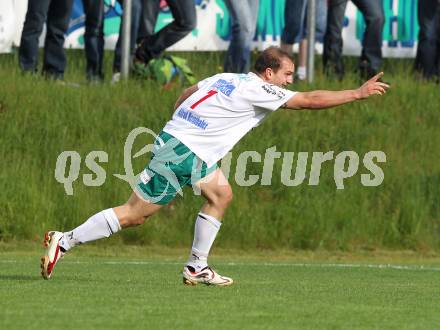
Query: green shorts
[{"x": 172, "y": 166}]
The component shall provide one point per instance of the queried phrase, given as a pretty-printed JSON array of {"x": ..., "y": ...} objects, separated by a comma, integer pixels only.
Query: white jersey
[{"x": 225, "y": 107}]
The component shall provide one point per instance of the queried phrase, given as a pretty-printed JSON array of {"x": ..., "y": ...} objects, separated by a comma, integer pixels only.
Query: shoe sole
[
  {"x": 44, "y": 261},
  {"x": 43, "y": 265},
  {"x": 188, "y": 282}
]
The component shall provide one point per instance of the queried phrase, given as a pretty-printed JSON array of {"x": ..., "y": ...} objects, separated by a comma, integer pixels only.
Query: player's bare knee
[{"x": 228, "y": 195}]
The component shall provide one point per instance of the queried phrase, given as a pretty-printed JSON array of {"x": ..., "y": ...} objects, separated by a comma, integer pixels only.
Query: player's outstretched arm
[
  {"x": 327, "y": 99},
  {"x": 185, "y": 94}
]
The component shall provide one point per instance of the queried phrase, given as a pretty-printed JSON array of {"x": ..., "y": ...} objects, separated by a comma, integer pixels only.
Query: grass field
[
  {"x": 132, "y": 288},
  {"x": 315, "y": 259},
  {"x": 39, "y": 119}
]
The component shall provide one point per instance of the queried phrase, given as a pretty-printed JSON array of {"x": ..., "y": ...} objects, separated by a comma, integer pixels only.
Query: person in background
[
  {"x": 371, "y": 56},
  {"x": 143, "y": 20},
  {"x": 56, "y": 15},
  {"x": 244, "y": 16},
  {"x": 298, "y": 9},
  {"x": 94, "y": 39},
  {"x": 428, "y": 50},
  {"x": 293, "y": 16},
  {"x": 185, "y": 20}
]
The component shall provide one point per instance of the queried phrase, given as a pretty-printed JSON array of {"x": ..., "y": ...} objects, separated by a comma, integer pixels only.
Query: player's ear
[{"x": 268, "y": 73}]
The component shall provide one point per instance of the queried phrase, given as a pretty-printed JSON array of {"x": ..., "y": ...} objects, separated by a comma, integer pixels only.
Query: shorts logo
[{"x": 145, "y": 178}]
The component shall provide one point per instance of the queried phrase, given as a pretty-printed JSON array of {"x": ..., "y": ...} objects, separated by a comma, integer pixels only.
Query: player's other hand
[{"x": 373, "y": 87}]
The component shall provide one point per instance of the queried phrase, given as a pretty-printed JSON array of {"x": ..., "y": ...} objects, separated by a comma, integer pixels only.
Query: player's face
[{"x": 284, "y": 75}]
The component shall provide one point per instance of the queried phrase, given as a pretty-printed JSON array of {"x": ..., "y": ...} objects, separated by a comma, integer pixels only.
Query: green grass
[
  {"x": 40, "y": 119},
  {"x": 137, "y": 288}
]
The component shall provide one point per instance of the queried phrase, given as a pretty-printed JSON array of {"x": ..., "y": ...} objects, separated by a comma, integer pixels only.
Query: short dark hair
[{"x": 270, "y": 58}]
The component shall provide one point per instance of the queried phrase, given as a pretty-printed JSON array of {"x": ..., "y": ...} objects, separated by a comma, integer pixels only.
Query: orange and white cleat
[
  {"x": 206, "y": 276},
  {"x": 53, "y": 253}
]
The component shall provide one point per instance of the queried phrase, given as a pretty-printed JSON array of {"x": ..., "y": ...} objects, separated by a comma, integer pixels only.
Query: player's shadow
[
  {"x": 28, "y": 278},
  {"x": 19, "y": 277}
]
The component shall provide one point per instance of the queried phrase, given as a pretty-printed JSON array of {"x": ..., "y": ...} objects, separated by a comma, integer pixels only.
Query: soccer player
[{"x": 209, "y": 119}]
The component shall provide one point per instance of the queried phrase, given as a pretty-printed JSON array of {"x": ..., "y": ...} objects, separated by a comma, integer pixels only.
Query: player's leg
[
  {"x": 371, "y": 56},
  {"x": 152, "y": 190},
  {"x": 218, "y": 194},
  {"x": 57, "y": 23},
  {"x": 185, "y": 20},
  {"x": 101, "y": 225},
  {"x": 332, "y": 54},
  {"x": 244, "y": 16},
  {"x": 33, "y": 26},
  {"x": 94, "y": 39},
  {"x": 293, "y": 16},
  {"x": 428, "y": 13},
  {"x": 107, "y": 222}
]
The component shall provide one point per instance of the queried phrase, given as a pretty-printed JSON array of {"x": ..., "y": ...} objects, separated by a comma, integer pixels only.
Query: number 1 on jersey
[{"x": 208, "y": 95}]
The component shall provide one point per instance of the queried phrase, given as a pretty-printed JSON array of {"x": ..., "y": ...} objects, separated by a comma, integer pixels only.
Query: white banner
[{"x": 8, "y": 25}]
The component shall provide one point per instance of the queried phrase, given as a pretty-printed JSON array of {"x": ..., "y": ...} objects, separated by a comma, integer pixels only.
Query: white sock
[
  {"x": 301, "y": 73},
  {"x": 100, "y": 225},
  {"x": 205, "y": 231}
]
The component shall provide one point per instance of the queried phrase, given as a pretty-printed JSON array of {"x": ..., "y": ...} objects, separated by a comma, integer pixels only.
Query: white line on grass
[
  {"x": 263, "y": 264},
  {"x": 269, "y": 264}
]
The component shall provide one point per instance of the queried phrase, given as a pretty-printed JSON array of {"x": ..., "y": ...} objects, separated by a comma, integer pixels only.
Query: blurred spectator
[
  {"x": 293, "y": 18},
  {"x": 371, "y": 56},
  {"x": 56, "y": 15},
  {"x": 94, "y": 39},
  {"x": 244, "y": 14},
  {"x": 185, "y": 20},
  {"x": 428, "y": 49},
  {"x": 297, "y": 21},
  {"x": 149, "y": 15},
  {"x": 143, "y": 20}
]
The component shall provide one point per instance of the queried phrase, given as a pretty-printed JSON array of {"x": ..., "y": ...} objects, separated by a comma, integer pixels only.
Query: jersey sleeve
[{"x": 268, "y": 96}]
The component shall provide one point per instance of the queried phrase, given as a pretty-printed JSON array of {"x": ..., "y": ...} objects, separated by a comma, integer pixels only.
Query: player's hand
[{"x": 373, "y": 87}]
